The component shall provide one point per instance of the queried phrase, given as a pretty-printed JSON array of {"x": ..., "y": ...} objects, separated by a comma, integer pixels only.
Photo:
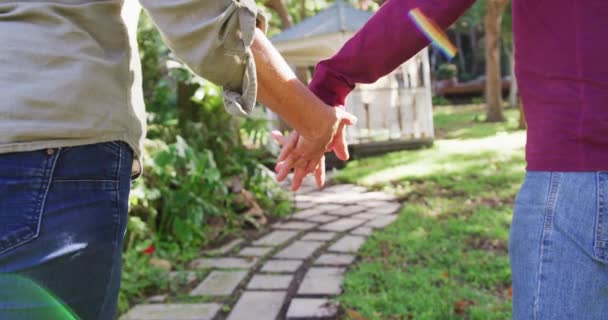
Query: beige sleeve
[{"x": 213, "y": 38}]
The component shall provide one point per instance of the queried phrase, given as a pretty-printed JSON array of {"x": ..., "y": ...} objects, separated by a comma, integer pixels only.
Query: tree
[{"x": 493, "y": 26}]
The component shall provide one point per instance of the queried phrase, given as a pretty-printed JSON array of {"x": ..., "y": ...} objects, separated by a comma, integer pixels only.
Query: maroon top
[{"x": 561, "y": 52}]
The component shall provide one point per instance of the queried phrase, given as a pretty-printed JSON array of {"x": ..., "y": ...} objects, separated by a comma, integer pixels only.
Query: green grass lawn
[{"x": 446, "y": 256}]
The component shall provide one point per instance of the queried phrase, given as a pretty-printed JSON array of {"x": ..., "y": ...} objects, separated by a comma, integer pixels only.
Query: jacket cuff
[
  {"x": 328, "y": 86},
  {"x": 250, "y": 17}
]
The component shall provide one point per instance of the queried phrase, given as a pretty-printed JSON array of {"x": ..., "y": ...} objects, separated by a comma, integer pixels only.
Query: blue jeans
[
  {"x": 62, "y": 221},
  {"x": 559, "y": 247}
]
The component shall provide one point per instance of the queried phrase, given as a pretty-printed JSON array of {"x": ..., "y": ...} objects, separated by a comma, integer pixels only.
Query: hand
[
  {"x": 290, "y": 142},
  {"x": 306, "y": 155}
]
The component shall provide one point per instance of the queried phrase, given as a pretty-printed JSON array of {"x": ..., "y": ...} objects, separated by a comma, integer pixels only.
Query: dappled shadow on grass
[
  {"x": 446, "y": 157},
  {"x": 468, "y": 122},
  {"x": 446, "y": 256}
]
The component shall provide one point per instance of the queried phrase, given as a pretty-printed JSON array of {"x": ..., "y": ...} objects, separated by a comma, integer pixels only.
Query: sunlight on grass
[
  {"x": 446, "y": 255},
  {"x": 447, "y": 157}
]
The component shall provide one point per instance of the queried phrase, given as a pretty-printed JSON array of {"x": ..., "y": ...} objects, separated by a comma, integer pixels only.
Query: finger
[
  {"x": 284, "y": 168},
  {"x": 298, "y": 178},
  {"x": 289, "y": 146},
  {"x": 278, "y": 137},
  {"x": 345, "y": 117},
  {"x": 340, "y": 144},
  {"x": 320, "y": 173},
  {"x": 301, "y": 164},
  {"x": 311, "y": 166}
]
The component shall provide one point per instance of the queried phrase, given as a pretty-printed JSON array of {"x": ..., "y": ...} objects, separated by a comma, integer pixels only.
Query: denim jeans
[
  {"x": 62, "y": 220},
  {"x": 559, "y": 247}
]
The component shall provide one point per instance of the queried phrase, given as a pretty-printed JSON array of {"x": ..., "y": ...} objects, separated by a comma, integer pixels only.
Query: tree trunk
[
  {"x": 522, "y": 118},
  {"x": 302, "y": 72},
  {"x": 514, "y": 91},
  {"x": 493, "y": 22},
  {"x": 474, "y": 48},
  {"x": 279, "y": 7},
  {"x": 302, "y": 9},
  {"x": 461, "y": 60}
]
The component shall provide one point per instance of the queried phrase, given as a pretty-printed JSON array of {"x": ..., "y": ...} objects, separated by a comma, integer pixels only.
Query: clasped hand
[{"x": 306, "y": 154}]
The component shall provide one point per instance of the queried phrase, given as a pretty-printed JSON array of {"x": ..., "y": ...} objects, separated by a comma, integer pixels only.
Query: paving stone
[
  {"x": 363, "y": 231},
  {"x": 282, "y": 266},
  {"x": 382, "y": 222},
  {"x": 255, "y": 251},
  {"x": 276, "y": 238},
  {"x": 295, "y": 225},
  {"x": 302, "y": 205},
  {"x": 348, "y": 244},
  {"x": 258, "y": 305},
  {"x": 302, "y": 308},
  {"x": 349, "y": 197},
  {"x": 304, "y": 214},
  {"x": 365, "y": 216},
  {"x": 322, "y": 218},
  {"x": 343, "y": 188},
  {"x": 321, "y": 197},
  {"x": 342, "y": 225},
  {"x": 377, "y": 196},
  {"x": 195, "y": 311},
  {"x": 269, "y": 282},
  {"x": 219, "y": 283},
  {"x": 387, "y": 208},
  {"x": 322, "y": 281},
  {"x": 347, "y": 210},
  {"x": 157, "y": 298},
  {"x": 319, "y": 236},
  {"x": 329, "y": 207},
  {"x": 375, "y": 203},
  {"x": 299, "y": 250},
  {"x": 332, "y": 259},
  {"x": 223, "y": 263},
  {"x": 305, "y": 198},
  {"x": 182, "y": 277},
  {"x": 224, "y": 249}
]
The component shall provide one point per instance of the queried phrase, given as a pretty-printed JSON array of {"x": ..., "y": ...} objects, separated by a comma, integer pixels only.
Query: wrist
[{"x": 321, "y": 125}]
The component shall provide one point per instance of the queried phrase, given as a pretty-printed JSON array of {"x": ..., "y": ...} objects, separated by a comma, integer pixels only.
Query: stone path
[{"x": 291, "y": 272}]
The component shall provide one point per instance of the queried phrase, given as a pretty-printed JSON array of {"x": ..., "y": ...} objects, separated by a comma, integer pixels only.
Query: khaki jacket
[{"x": 70, "y": 71}]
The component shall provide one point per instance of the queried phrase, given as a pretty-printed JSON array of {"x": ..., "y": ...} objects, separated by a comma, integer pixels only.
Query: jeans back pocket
[{"x": 24, "y": 182}]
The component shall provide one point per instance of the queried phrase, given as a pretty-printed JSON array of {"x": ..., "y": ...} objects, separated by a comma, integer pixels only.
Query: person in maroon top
[{"x": 559, "y": 235}]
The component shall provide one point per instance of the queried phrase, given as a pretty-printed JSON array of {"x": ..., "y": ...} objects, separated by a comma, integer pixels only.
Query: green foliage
[
  {"x": 138, "y": 279},
  {"x": 193, "y": 155},
  {"x": 446, "y": 71},
  {"x": 441, "y": 101}
]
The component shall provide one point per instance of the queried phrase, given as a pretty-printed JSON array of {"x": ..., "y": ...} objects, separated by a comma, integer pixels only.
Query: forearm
[
  {"x": 386, "y": 41},
  {"x": 281, "y": 91}
]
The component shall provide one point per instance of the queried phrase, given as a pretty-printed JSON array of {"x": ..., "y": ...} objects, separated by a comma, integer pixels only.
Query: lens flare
[
  {"x": 22, "y": 298},
  {"x": 434, "y": 33}
]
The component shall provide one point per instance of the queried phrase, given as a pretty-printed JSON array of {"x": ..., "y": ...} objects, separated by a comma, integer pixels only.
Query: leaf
[
  {"x": 461, "y": 306},
  {"x": 354, "y": 315}
]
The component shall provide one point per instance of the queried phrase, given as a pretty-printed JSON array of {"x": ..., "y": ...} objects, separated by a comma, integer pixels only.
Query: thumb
[
  {"x": 346, "y": 117},
  {"x": 340, "y": 146}
]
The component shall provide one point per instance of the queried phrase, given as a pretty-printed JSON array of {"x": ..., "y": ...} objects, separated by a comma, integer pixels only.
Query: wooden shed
[{"x": 395, "y": 112}]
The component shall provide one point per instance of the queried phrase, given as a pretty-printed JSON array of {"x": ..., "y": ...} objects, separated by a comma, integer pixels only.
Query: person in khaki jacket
[{"x": 72, "y": 123}]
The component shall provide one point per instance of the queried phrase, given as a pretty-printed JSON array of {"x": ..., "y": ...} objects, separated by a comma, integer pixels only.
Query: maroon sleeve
[{"x": 386, "y": 41}]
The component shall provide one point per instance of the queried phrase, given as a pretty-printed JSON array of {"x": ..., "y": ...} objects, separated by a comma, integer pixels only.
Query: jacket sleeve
[
  {"x": 386, "y": 41},
  {"x": 213, "y": 38}
]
